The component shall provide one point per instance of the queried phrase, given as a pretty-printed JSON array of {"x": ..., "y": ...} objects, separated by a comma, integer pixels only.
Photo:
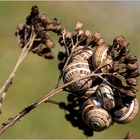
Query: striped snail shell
[
  {"x": 91, "y": 91},
  {"x": 94, "y": 116},
  {"x": 126, "y": 113},
  {"x": 101, "y": 58},
  {"x": 105, "y": 96},
  {"x": 74, "y": 71},
  {"x": 81, "y": 54}
]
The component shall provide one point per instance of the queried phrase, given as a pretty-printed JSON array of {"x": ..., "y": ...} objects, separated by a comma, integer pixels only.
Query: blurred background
[{"x": 36, "y": 76}]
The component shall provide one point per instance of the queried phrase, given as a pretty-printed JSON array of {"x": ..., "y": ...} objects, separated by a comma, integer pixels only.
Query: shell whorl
[
  {"x": 76, "y": 70},
  {"x": 105, "y": 96},
  {"x": 126, "y": 113},
  {"x": 101, "y": 58},
  {"x": 81, "y": 54},
  {"x": 94, "y": 116}
]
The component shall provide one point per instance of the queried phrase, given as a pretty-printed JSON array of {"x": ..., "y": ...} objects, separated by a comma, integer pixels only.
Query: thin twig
[
  {"x": 8, "y": 83},
  {"x": 66, "y": 48},
  {"x": 45, "y": 98},
  {"x": 52, "y": 102}
]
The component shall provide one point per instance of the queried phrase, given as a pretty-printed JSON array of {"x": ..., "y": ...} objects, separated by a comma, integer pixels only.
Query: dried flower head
[{"x": 42, "y": 25}]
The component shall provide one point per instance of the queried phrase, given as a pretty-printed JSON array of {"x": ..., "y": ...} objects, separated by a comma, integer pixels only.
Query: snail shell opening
[
  {"x": 75, "y": 71},
  {"x": 126, "y": 113},
  {"x": 96, "y": 118}
]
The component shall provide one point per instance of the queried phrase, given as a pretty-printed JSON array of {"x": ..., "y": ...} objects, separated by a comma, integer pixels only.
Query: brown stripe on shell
[
  {"x": 96, "y": 118},
  {"x": 101, "y": 58},
  {"x": 105, "y": 96},
  {"x": 75, "y": 71},
  {"x": 126, "y": 113}
]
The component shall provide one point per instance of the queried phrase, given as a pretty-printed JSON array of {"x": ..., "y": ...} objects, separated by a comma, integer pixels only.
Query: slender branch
[
  {"x": 53, "y": 102},
  {"x": 8, "y": 83},
  {"x": 45, "y": 98}
]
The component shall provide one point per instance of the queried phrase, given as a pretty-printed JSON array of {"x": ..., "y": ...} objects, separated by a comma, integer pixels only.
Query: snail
[
  {"x": 126, "y": 113},
  {"x": 81, "y": 54},
  {"x": 74, "y": 71},
  {"x": 101, "y": 58},
  {"x": 91, "y": 91},
  {"x": 105, "y": 96},
  {"x": 94, "y": 116}
]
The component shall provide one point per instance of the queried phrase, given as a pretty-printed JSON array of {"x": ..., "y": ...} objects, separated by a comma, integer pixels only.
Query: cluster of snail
[
  {"x": 106, "y": 99},
  {"x": 105, "y": 75}
]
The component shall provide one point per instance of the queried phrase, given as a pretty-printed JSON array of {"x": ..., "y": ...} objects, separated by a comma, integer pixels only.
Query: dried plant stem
[
  {"x": 45, "y": 98},
  {"x": 7, "y": 84}
]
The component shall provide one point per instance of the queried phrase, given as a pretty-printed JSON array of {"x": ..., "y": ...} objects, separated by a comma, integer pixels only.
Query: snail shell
[
  {"x": 105, "y": 96},
  {"x": 91, "y": 91},
  {"x": 74, "y": 71},
  {"x": 126, "y": 113},
  {"x": 81, "y": 54},
  {"x": 101, "y": 58},
  {"x": 94, "y": 116}
]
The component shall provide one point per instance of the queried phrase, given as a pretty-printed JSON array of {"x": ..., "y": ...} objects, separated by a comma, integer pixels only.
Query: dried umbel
[
  {"x": 126, "y": 66},
  {"x": 74, "y": 71},
  {"x": 105, "y": 96},
  {"x": 94, "y": 116},
  {"x": 126, "y": 113},
  {"x": 98, "y": 39},
  {"x": 41, "y": 24}
]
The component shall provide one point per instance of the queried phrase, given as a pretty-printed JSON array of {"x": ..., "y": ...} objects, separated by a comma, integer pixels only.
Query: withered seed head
[
  {"x": 97, "y": 36},
  {"x": 129, "y": 91},
  {"x": 130, "y": 59},
  {"x": 98, "y": 39},
  {"x": 41, "y": 24},
  {"x": 132, "y": 74},
  {"x": 131, "y": 81},
  {"x": 78, "y": 26},
  {"x": 88, "y": 33},
  {"x": 81, "y": 32},
  {"x": 132, "y": 66},
  {"x": 120, "y": 40},
  {"x": 35, "y": 10}
]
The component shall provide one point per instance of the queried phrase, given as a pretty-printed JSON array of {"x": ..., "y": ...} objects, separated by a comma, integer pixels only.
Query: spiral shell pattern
[
  {"x": 126, "y": 113},
  {"x": 95, "y": 117},
  {"x": 105, "y": 96},
  {"x": 81, "y": 55},
  {"x": 75, "y": 71}
]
